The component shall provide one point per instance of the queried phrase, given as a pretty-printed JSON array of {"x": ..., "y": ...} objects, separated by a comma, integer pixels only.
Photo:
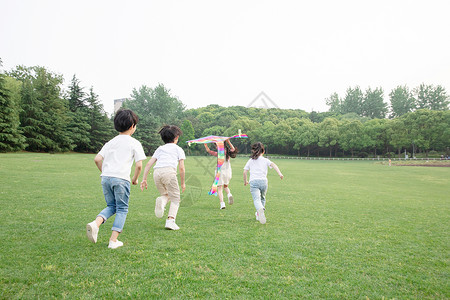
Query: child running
[
  {"x": 257, "y": 165},
  {"x": 167, "y": 158},
  {"x": 114, "y": 161},
  {"x": 225, "y": 173}
]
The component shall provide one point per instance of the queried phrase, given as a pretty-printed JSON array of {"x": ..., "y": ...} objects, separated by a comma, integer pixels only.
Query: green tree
[
  {"x": 376, "y": 135},
  {"x": 350, "y": 136},
  {"x": 335, "y": 103},
  {"x": 44, "y": 117},
  {"x": 155, "y": 107},
  {"x": 426, "y": 128},
  {"x": 373, "y": 105},
  {"x": 101, "y": 128},
  {"x": 400, "y": 137},
  {"x": 402, "y": 101},
  {"x": 11, "y": 138},
  {"x": 283, "y": 136},
  {"x": 76, "y": 95},
  {"x": 306, "y": 135},
  {"x": 353, "y": 101},
  {"x": 432, "y": 98},
  {"x": 329, "y": 133},
  {"x": 188, "y": 134},
  {"x": 78, "y": 126}
]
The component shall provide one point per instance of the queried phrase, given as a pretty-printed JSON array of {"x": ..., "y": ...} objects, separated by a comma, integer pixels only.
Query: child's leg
[
  {"x": 220, "y": 192},
  {"x": 256, "y": 194},
  {"x": 173, "y": 190},
  {"x": 161, "y": 201},
  {"x": 226, "y": 189},
  {"x": 229, "y": 196},
  {"x": 122, "y": 196},
  {"x": 108, "y": 192},
  {"x": 263, "y": 194}
]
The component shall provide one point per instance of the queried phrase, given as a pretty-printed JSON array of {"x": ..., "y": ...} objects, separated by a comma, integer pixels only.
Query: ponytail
[{"x": 257, "y": 150}]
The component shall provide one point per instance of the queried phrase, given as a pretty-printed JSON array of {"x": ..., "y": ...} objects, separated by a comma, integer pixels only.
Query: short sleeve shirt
[
  {"x": 168, "y": 155},
  {"x": 118, "y": 156},
  {"x": 258, "y": 168}
]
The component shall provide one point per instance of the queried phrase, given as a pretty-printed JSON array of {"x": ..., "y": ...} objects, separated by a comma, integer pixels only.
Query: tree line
[{"x": 39, "y": 114}]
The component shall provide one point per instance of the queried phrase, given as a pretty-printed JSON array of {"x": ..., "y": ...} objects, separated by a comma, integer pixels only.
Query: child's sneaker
[
  {"x": 114, "y": 245},
  {"x": 222, "y": 205},
  {"x": 256, "y": 215},
  {"x": 170, "y": 224},
  {"x": 159, "y": 208},
  {"x": 230, "y": 199},
  {"x": 261, "y": 216},
  {"x": 92, "y": 231}
]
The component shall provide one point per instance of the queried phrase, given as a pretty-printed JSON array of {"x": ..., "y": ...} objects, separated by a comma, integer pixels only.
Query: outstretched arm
[
  {"x": 231, "y": 145},
  {"x": 273, "y": 165},
  {"x": 213, "y": 153},
  {"x": 148, "y": 166}
]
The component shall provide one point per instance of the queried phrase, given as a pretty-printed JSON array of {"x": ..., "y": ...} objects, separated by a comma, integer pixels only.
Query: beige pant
[{"x": 166, "y": 182}]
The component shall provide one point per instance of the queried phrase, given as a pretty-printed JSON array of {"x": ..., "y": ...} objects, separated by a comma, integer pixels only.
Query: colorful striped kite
[{"x": 220, "y": 142}]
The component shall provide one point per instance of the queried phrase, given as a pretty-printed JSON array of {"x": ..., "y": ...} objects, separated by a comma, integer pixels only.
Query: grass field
[{"x": 335, "y": 230}]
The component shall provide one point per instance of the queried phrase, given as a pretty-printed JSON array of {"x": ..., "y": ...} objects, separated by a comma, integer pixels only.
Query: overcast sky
[{"x": 228, "y": 52}]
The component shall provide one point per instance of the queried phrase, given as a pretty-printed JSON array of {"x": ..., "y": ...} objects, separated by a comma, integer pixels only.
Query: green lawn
[{"x": 342, "y": 230}]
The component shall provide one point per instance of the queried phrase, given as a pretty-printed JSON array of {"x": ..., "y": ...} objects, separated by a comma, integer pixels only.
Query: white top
[
  {"x": 258, "y": 168},
  {"x": 168, "y": 155},
  {"x": 118, "y": 156}
]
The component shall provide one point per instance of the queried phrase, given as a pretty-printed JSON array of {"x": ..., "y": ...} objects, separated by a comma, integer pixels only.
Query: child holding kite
[
  {"x": 167, "y": 158},
  {"x": 257, "y": 165},
  {"x": 225, "y": 175},
  {"x": 114, "y": 161}
]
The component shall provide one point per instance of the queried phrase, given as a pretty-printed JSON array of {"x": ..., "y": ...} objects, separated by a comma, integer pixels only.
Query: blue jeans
[
  {"x": 117, "y": 194},
  {"x": 258, "y": 188}
]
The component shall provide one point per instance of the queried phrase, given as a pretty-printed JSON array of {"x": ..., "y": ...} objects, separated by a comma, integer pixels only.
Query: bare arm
[
  {"x": 231, "y": 145},
  {"x": 137, "y": 171},
  {"x": 148, "y": 166},
  {"x": 273, "y": 165},
  {"x": 213, "y": 153},
  {"x": 99, "y": 161},
  {"x": 182, "y": 173},
  {"x": 245, "y": 177}
]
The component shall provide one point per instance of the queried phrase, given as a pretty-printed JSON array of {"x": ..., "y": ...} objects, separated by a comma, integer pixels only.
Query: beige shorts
[{"x": 166, "y": 182}]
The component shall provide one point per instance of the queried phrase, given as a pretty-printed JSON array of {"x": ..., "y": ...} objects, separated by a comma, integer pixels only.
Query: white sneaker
[
  {"x": 222, "y": 205},
  {"x": 230, "y": 199},
  {"x": 256, "y": 215},
  {"x": 114, "y": 245},
  {"x": 170, "y": 224},
  {"x": 261, "y": 216},
  {"x": 92, "y": 231},
  {"x": 159, "y": 208}
]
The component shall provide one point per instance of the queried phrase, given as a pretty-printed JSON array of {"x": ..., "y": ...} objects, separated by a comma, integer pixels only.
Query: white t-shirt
[
  {"x": 118, "y": 156},
  {"x": 168, "y": 155},
  {"x": 258, "y": 168}
]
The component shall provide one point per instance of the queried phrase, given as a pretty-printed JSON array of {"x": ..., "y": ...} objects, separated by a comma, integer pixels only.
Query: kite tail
[{"x": 220, "y": 161}]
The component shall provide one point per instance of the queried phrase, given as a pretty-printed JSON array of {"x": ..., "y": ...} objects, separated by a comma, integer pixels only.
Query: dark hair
[
  {"x": 169, "y": 133},
  {"x": 257, "y": 150},
  {"x": 229, "y": 153},
  {"x": 125, "y": 119}
]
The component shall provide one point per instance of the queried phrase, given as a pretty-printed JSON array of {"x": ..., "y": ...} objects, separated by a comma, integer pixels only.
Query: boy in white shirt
[
  {"x": 167, "y": 158},
  {"x": 115, "y": 160},
  {"x": 257, "y": 165}
]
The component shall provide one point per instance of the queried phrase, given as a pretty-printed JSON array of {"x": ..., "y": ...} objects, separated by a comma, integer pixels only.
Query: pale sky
[{"x": 228, "y": 52}]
